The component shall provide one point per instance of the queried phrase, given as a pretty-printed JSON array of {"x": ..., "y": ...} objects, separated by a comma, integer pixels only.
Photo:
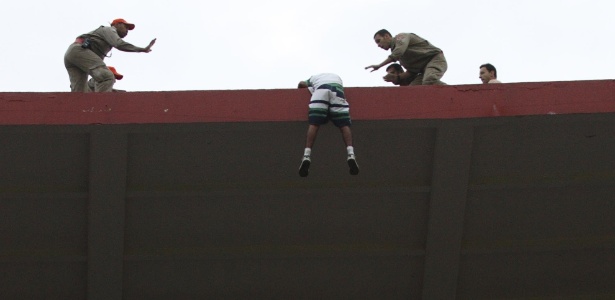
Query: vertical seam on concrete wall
[
  {"x": 106, "y": 212},
  {"x": 452, "y": 160}
]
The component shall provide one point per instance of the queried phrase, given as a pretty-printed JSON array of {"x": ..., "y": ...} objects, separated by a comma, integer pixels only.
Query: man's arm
[
  {"x": 402, "y": 41},
  {"x": 382, "y": 64},
  {"x": 128, "y": 47},
  {"x": 406, "y": 78},
  {"x": 109, "y": 34}
]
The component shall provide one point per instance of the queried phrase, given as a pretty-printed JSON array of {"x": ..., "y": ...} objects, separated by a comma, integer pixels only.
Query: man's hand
[
  {"x": 374, "y": 67},
  {"x": 148, "y": 48}
]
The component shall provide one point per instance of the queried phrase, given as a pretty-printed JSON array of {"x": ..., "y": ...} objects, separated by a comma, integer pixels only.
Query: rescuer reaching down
[{"x": 424, "y": 62}]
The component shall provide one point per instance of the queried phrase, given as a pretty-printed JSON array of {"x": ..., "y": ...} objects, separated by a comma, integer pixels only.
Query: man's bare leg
[
  {"x": 309, "y": 143},
  {"x": 311, "y": 136},
  {"x": 346, "y": 135},
  {"x": 352, "y": 161}
]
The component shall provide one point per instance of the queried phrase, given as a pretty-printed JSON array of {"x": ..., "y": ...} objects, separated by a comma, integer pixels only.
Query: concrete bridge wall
[{"x": 465, "y": 192}]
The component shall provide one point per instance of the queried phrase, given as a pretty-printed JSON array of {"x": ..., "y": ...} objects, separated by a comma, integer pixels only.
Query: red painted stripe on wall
[{"x": 367, "y": 103}]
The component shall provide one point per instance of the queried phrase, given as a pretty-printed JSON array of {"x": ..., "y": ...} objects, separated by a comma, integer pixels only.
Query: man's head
[
  {"x": 122, "y": 27},
  {"x": 395, "y": 70},
  {"x": 487, "y": 72},
  {"x": 383, "y": 39},
  {"x": 302, "y": 85}
]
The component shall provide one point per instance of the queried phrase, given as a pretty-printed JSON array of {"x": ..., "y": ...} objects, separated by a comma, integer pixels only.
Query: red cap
[
  {"x": 130, "y": 26},
  {"x": 117, "y": 75}
]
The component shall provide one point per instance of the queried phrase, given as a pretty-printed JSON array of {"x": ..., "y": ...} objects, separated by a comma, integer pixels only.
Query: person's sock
[{"x": 350, "y": 150}]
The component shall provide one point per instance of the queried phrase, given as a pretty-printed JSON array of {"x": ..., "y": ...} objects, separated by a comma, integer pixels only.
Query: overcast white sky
[{"x": 248, "y": 44}]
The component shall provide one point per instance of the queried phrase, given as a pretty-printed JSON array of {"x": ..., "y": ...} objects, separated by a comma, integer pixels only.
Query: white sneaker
[
  {"x": 352, "y": 164},
  {"x": 304, "y": 168}
]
